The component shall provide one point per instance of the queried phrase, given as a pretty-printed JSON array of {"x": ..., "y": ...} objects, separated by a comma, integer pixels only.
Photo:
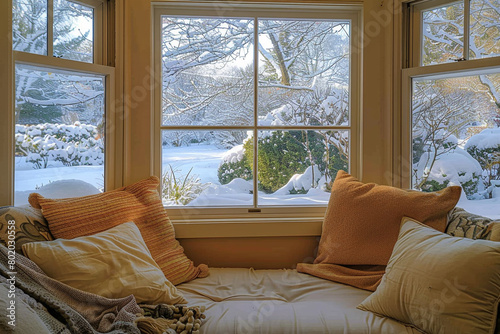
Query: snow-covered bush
[
  {"x": 301, "y": 183},
  {"x": 485, "y": 148},
  {"x": 280, "y": 156},
  {"x": 180, "y": 189},
  {"x": 234, "y": 165},
  {"x": 456, "y": 167},
  {"x": 72, "y": 145}
]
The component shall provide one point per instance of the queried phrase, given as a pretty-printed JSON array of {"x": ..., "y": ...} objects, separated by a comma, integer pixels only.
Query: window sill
[{"x": 248, "y": 228}]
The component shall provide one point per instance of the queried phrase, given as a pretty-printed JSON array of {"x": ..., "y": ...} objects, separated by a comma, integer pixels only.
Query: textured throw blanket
[
  {"x": 81, "y": 312},
  {"x": 65, "y": 310}
]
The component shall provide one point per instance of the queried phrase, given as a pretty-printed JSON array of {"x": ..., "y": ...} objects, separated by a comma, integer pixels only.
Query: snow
[
  {"x": 488, "y": 138},
  {"x": 457, "y": 167},
  {"x": 300, "y": 181},
  {"x": 58, "y": 189},
  {"x": 28, "y": 181},
  {"x": 234, "y": 155},
  {"x": 486, "y": 207}
]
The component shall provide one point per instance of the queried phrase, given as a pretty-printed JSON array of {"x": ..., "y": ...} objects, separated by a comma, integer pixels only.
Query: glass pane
[
  {"x": 29, "y": 26},
  {"x": 443, "y": 34},
  {"x": 206, "y": 168},
  {"x": 73, "y": 31},
  {"x": 297, "y": 167},
  {"x": 484, "y": 28},
  {"x": 207, "y": 67},
  {"x": 59, "y": 129},
  {"x": 303, "y": 72},
  {"x": 456, "y": 139}
]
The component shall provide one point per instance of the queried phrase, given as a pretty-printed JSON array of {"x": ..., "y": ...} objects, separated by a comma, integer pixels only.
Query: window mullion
[
  {"x": 255, "y": 111},
  {"x": 50, "y": 28},
  {"x": 466, "y": 29}
]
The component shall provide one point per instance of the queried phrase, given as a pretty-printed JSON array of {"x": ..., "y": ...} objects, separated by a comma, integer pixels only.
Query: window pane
[
  {"x": 485, "y": 28},
  {"x": 207, "y": 67},
  {"x": 456, "y": 139},
  {"x": 443, "y": 34},
  {"x": 59, "y": 129},
  {"x": 303, "y": 72},
  {"x": 296, "y": 168},
  {"x": 73, "y": 31},
  {"x": 29, "y": 26},
  {"x": 206, "y": 168}
]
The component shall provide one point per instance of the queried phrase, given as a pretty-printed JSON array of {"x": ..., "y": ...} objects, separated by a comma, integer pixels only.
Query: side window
[
  {"x": 60, "y": 94},
  {"x": 455, "y": 108}
]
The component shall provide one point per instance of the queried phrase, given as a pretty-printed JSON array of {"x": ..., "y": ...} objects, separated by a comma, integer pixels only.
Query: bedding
[
  {"x": 140, "y": 203},
  {"x": 45, "y": 304},
  {"x": 282, "y": 301},
  {"x": 113, "y": 264}
]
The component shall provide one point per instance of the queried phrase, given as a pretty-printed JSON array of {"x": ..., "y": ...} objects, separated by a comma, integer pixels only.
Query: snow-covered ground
[
  {"x": 204, "y": 161},
  {"x": 29, "y": 180}
]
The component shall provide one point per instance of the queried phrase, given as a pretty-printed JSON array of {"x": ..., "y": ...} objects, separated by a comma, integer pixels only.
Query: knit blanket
[{"x": 65, "y": 310}]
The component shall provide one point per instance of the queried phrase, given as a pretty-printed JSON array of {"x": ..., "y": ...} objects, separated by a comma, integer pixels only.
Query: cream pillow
[
  {"x": 439, "y": 283},
  {"x": 115, "y": 263}
]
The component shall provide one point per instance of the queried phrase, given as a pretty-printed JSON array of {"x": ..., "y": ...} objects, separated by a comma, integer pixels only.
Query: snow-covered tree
[{"x": 44, "y": 95}]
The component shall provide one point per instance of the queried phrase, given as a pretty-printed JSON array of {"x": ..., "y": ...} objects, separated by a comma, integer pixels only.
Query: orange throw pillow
[
  {"x": 140, "y": 202},
  {"x": 362, "y": 223}
]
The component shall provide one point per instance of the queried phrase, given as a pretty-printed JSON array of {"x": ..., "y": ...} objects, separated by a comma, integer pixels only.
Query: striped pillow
[{"x": 75, "y": 217}]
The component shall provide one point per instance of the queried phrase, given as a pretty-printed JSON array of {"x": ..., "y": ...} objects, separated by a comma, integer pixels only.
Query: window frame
[
  {"x": 265, "y": 214},
  {"x": 415, "y": 71},
  {"x": 112, "y": 178}
]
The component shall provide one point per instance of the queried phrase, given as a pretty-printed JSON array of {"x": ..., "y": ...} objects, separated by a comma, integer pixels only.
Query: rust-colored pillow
[
  {"x": 75, "y": 217},
  {"x": 362, "y": 222}
]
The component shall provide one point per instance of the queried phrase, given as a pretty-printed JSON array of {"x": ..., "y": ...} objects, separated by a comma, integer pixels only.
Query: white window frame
[
  {"x": 8, "y": 64},
  {"x": 445, "y": 70},
  {"x": 267, "y": 10}
]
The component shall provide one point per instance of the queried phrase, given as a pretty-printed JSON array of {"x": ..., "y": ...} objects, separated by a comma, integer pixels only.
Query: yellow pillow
[
  {"x": 114, "y": 264},
  {"x": 439, "y": 283}
]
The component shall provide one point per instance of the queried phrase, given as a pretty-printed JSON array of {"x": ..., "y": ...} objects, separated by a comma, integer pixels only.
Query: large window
[
  {"x": 257, "y": 107},
  {"x": 453, "y": 94},
  {"x": 61, "y": 93}
]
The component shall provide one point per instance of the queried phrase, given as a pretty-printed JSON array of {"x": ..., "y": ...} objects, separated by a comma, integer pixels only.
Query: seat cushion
[{"x": 281, "y": 301}]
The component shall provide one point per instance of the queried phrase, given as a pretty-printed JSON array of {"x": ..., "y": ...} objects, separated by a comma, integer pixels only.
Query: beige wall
[{"x": 376, "y": 131}]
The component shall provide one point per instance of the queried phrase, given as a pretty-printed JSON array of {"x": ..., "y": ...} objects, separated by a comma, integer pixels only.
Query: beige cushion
[
  {"x": 465, "y": 224},
  {"x": 115, "y": 263},
  {"x": 439, "y": 283},
  {"x": 28, "y": 224}
]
